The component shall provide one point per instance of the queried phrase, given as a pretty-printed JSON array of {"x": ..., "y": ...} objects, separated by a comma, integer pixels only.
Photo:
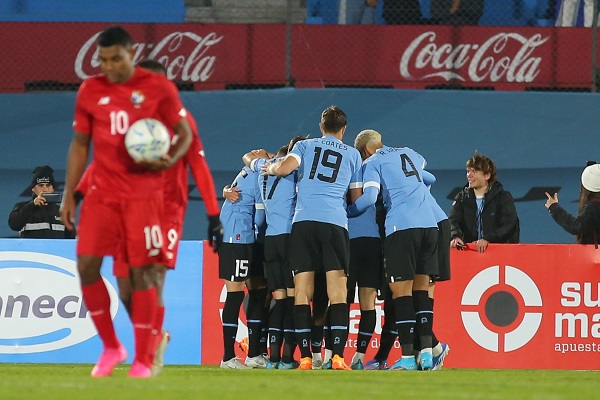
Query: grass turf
[{"x": 68, "y": 381}]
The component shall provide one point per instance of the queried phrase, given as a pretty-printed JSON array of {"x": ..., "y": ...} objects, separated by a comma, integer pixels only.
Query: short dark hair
[
  {"x": 115, "y": 35},
  {"x": 479, "y": 162},
  {"x": 152, "y": 65},
  {"x": 296, "y": 140},
  {"x": 283, "y": 150},
  {"x": 333, "y": 119}
]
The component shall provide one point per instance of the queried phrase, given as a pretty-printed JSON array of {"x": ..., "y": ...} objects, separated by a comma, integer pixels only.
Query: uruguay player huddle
[{"x": 312, "y": 197}]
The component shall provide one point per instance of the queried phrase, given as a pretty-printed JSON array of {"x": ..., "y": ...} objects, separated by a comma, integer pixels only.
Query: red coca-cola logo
[
  {"x": 185, "y": 55},
  {"x": 505, "y": 57}
]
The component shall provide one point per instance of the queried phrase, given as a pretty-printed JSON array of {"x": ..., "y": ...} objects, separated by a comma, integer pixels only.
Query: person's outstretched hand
[{"x": 551, "y": 200}]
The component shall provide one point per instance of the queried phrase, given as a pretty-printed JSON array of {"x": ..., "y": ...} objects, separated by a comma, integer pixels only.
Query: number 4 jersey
[
  {"x": 397, "y": 173},
  {"x": 328, "y": 168},
  {"x": 106, "y": 110}
]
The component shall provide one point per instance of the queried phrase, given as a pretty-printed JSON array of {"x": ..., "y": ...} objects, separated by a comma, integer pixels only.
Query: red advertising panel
[
  {"x": 212, "y": 56},
  {"x": 522, "y": 306}
]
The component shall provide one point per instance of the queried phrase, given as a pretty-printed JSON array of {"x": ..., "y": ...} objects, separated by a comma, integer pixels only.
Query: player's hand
[
  {"x": 482, "y": 245},
  {"x": 215, "y": 232},
  {"x": 164, "y": 162},
  {"x": 231, "y": 194},
  {"x": 67, "y": 211},
  {"x": 551, "y": 200},
  {"x": 261, "y": 153}
]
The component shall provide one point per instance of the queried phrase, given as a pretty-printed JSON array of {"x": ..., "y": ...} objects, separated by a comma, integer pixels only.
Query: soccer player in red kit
[{"x": 123, "y": 203}]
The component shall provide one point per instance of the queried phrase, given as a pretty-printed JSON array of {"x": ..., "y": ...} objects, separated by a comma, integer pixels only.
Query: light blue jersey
[
  {"x": 397, "y": 172},
  {"x": 328, "y": 168},
  {"x": 238, "y": 218},
  {"x": 278, "y": 194},
  {"x": 365, "y": 224}
]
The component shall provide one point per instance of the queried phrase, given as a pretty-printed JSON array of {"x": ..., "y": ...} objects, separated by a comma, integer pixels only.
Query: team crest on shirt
[{"x": 137, "y": 98}]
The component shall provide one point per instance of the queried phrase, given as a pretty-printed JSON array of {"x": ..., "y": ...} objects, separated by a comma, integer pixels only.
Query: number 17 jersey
[{"x": 328, "y": 168}]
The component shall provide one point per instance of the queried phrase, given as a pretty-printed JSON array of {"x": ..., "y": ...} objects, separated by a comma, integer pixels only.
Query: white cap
[{"x": 590, "y": 178}]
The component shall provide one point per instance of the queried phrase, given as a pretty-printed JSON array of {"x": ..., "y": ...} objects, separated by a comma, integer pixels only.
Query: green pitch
[{"x": 67, "y": 381}]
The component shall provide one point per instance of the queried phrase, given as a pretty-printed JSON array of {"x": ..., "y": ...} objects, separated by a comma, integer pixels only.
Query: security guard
[{"x": 39, "y": 218}]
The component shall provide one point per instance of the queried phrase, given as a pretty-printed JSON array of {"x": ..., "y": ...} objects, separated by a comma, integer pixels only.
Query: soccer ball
[{"x": 147, "y": 140}]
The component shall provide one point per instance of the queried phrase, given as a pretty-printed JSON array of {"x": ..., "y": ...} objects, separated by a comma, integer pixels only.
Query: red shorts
[
  {"x": 128, "y": 229},
  {"x": 173, "y": 228}
]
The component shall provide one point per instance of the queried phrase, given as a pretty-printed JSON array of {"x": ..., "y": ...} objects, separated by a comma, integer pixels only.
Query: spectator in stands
[
  {"x": 39, "y": 218},
  {"x": 456, "y": 12},
  {"x": 567, "y": 15},
  {"x": 402, "y": 12},
  {"x": 483, "y": 212},
  {"x": 586, "y": 226},
  {"x": 357, "y": 11}
]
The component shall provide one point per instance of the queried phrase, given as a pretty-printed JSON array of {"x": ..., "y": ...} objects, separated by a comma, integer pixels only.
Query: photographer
[{"x": 39, "y": 218}]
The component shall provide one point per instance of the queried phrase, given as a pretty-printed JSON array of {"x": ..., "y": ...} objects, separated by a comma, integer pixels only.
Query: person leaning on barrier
[
  {"x": 483, "y": 212},
  {"x": 39, "y": 218},
  {"x": 586, "y": 226}
]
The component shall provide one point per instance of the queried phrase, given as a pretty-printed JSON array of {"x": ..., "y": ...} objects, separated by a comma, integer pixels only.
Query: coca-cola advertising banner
[
  {"x": 213, "y": 56},
  {"x": 522, "y": 306}
]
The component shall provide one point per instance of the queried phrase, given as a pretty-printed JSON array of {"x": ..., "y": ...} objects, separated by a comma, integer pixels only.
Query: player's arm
[
  {"x": 253, "y": 155},
  {"x": 76, "y": 160},
  {"x": 428, "y": 178},
  {"x": 368, "y": 198},
  {"x": 283, "y": 167}
]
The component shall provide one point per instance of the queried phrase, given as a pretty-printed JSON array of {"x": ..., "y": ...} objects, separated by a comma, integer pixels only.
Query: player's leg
[
  {"x": 95, "y": 237},
  {"x": 440, "y": 350},
  {"x": 257, "y": 293},
  {"x": 369, "y": 280},
  {"x": 336, "y": 253},
  {"x": 427, "y": 265},
  {"x": 234, "y": 260},
  {"x": 276, "y": 269},
  {"x": 400, "y": 255},
  {"x": 320, "y": 326}
]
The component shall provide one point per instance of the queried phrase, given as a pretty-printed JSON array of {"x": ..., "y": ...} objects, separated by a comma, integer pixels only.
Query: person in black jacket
[
  {"x": 483, "y": 212},
  {"x": 586, "y": 226},
  {"x": 39, "y": 218}
]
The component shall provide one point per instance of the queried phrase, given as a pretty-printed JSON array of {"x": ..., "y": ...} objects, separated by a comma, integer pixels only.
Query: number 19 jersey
[{"x": 328, "y": 168}]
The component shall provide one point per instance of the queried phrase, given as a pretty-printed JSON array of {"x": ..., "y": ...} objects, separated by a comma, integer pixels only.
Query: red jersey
[
  {"x": 105, "y": 111},
  {"x": 176, "y": 187}
]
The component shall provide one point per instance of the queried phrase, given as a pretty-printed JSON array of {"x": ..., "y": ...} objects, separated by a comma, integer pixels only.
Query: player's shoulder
[{"x": 93, "y": 82}]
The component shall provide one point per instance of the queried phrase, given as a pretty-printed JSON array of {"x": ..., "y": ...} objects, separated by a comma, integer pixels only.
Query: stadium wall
[
  {"x": 540, "y": 141},
  {"x": 499, "y": 308}
]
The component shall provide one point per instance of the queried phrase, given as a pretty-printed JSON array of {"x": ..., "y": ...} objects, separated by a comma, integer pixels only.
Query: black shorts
[
  {"x": 236, "y": 262},
  {"x": 411, "y": 252},
  {"x": 366, "y": 266},
  {"x": 277, "y": 266},
  {"x": 318, "y": 246},
  {"x": 257, "y": 266},
  {"x": 443, "y": 252}
]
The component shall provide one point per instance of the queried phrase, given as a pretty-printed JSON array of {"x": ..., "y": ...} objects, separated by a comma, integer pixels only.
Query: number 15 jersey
[{"x": 328, "y": 168}]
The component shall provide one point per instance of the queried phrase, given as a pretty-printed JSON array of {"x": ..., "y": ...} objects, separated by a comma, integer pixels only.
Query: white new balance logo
[{"x": 104, "y": 101}]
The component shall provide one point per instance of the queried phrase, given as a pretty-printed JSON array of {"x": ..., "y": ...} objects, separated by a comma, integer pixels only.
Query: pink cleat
[
  {"x": 139, "y": 370},
  {"x": 109, "y": 359}
]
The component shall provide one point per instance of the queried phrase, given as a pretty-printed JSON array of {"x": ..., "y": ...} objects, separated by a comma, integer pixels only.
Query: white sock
[
  {"x": 328, "y": 355},
  {"x": 437, "y": 350},
  {"x": 358, "y": 357}
]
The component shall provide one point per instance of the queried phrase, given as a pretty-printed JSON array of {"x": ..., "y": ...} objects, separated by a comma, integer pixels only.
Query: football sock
[
  {"x": 434, "y": 339},
  {"x": 289, "y": 334},
  {"x": 423, "y": 316},
  {"x": 276, "y": 330},
  {"x": 388, "y": 331},
  {"x": 144, "y": 305},
  {"x": 158, "y": 324},
  {"x": 366, "y": 327},
  {"x": 405, "y": 322},
  {"x": 256, "y": 301},
  {"x": 316, "y": 338},
  {"x": 231, "y": 313},
  {"x": 338, "y": 315},
  {"x": 97, "y": 301},
  {"x": 302, "y": 322}
]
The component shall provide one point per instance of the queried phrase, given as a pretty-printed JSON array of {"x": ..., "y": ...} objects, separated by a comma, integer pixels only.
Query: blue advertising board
[{"x": 43, "y": 318}]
